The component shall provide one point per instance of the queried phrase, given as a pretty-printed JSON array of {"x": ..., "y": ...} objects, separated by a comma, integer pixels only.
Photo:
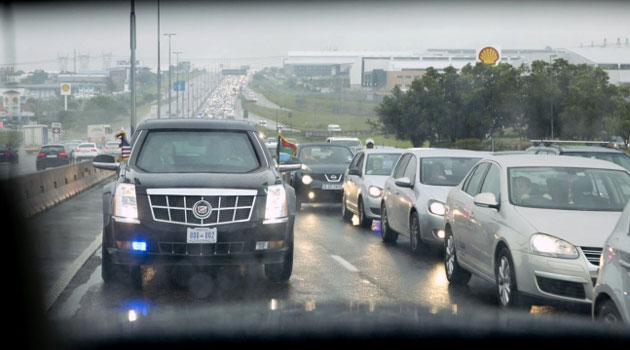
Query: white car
[
  {"x": 112, "y": 148},
  {"x": 415, "y": 193},
  {"x": 85, "y": 151},
  {"x": 363, "y": 184},
  {"x": 612, "y": 291},
  {"x": 351, "y": 142},
  {"x": 534, "y": 226}
]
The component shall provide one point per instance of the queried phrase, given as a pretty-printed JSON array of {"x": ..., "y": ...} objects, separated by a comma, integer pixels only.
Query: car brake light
[
  {"x": 7, "y": 153},
  {"x": 41, "y": 154},
  {"x": 78, "y": 150},
  {"x": 93, "y": 150},
  {"x": 63, "y": 154}
]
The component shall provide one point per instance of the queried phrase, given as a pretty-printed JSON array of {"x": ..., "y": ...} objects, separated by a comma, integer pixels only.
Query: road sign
[
  {"x": 179, "y": 85},
  {"x": 489, "y": 55},
  {"x": 66, "y": 89}
]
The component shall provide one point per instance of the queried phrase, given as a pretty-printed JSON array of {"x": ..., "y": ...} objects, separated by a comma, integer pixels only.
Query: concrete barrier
[{"x": 40, "y": 191}]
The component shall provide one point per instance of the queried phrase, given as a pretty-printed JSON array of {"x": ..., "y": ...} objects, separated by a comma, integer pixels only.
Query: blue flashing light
[{"x": 139, "y": 246}]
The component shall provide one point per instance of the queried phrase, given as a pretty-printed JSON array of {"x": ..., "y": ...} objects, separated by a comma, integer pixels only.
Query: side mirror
[
  {"x": 404, "y": 182},
  {"x": 105, "y": 162},
  {"x": 354, "y": 171},
  {"x": 293, "y": 164},
  {"x": 486, "y": 200}
]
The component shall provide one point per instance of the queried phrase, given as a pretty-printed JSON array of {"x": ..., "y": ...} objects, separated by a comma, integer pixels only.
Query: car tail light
[
  {"x": 93, "y": 150},
  {"x": 78, "y": 150},
  {"x": 63, "y": 154},
  {"x": 41, "y": 154},
  {"x": 7, "y": 153}
]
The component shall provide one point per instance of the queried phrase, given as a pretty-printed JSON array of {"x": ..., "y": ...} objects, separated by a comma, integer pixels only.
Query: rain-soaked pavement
[{"x": 333, "y": 262}]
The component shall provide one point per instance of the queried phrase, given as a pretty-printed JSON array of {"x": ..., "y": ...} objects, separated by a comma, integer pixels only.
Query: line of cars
[
  {"x": 538, "y": 227},
  {"x": 54, "y": 155}
]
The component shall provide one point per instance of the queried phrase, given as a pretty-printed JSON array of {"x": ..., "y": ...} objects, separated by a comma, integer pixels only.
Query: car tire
[
  {"x": 363, "y": 221},
  {"x": 455, "y": 274},
  {"x": 279, "y": 273},
  {"x": 607, "y": 312},
  {"x": 415, "y": 239},
  {"x": 387, "y": 234},
  {"x": 507, "y": 289},
  {"x": 346, "y": 214}
]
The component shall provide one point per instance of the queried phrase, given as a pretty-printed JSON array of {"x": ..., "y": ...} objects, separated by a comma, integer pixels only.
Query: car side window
[
  {"x": 355, "y": 160},
  {"x": 492, "y": 182},
  {"x": 401, "y": 166},
  {"x": 472, "y": 186},
  {"x": 360, "y": 164},
  {"x": 410, "y": 171}
]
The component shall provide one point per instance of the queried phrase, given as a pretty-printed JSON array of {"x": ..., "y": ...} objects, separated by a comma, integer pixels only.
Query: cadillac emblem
[{"x": 202, "y": 210}]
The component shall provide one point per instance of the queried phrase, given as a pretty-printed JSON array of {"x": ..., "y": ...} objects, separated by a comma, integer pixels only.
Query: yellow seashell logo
[{"x": 489, "y": 55}]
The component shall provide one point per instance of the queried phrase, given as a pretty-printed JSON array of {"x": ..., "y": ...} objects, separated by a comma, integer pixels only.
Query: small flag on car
[
  {"x": 125, "y": 147},
  {"x": 285, "y": 149}
]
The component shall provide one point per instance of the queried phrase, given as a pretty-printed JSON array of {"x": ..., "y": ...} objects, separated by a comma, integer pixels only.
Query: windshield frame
[
  {"x": 510, "y": 197},
  {"x": 140, "y": 143},
  {"x": 327, "y": 145},
  {"x": 420, "y": 178}
]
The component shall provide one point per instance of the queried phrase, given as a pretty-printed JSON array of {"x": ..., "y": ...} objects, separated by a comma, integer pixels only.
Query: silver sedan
[
  {"x": 363, "y": 184},
  {"x": 533, "y": 226},
  {"x": 414, "y": 195},
  {"x": 612, "y": 291}
]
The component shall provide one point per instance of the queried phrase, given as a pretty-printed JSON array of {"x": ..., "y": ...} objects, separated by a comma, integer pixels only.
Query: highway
[{"x": 333, "y": 262}]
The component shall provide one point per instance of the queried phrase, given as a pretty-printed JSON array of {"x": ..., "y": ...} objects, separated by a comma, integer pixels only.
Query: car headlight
[
  {"x": 375, "y": 191},
  {"x": 307, "y": 179},
  {"x": 437, "y": 208},
  {"x": 276, "y": 206},
  {"x": 546, "y": 245},
  {"x": 125, "y": 205}
]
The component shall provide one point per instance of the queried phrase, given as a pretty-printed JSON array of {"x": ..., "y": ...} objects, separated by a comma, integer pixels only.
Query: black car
[
  {"x": 9, "y": 155},
  {"x": 196, "y": 192},
  {"x": 320, "y": 178},
  {"x": 51, "y": 156}
]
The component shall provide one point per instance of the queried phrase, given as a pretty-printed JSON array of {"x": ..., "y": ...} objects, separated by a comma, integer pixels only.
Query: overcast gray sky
[{"x": 257, "y": 29}]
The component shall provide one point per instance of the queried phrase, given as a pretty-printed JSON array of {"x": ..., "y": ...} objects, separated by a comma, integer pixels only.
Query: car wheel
[
  {"x": 363, "y": 221},
  {"x": 607, "y": 312},
  {"x": 387, "y": 234},
  {"x": 345, "y": 213},
  {"x": 455, "y": 274},
  {"x": 281, "y": 272},
  {"x": 507, "y": 291},
  {"x": 415, "y": 241}
]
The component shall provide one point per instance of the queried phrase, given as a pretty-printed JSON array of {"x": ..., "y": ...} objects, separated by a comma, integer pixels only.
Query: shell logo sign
[
  {"x": 489, "y": 55},
  {"x": 65, "y": 89}
]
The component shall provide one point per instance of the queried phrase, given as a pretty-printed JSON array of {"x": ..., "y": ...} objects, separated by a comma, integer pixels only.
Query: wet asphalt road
[{"x": 333, "y": 262}]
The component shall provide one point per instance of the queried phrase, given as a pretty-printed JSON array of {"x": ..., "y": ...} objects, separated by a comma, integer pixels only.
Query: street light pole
[
  {"x": 132, "y": 80},
  {"x": 551, "y": 95},
  {"x": 177, "y": 82},
  {"x": 159, "y": 74},
  {"x": 170, "y": 84}
]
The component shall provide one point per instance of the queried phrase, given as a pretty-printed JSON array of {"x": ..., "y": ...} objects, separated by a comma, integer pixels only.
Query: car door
[
  {"x": 406, "y": 198},
  {"x": 488, "y": 224},
  {"x": 463, "y": 204},
  {"x": 353, "y": 181},
  {"x": 390, "y": 191}
]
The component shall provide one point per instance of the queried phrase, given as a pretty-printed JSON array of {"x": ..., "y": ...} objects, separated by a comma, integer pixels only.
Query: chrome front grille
[
  {"x": 333, "y": 177},
  {"x": 176, "y": 205},
  {"x": 592, "y": 254}
]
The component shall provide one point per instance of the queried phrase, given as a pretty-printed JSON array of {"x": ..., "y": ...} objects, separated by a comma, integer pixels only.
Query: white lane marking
[
  {"x": 55, "y": 291},
  {"x": 345, "y": 264}
]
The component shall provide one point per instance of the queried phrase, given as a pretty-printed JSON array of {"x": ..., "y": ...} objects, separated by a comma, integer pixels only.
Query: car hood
[
  {"x": 580, "y": 228},
  {"x": 143, "y": 324},
  {"x": 325, "y": 169},
  {"x": 438, "y": 192},
  {"x": 375, "y": 180},
  {"x": 255, "y": 180}
]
